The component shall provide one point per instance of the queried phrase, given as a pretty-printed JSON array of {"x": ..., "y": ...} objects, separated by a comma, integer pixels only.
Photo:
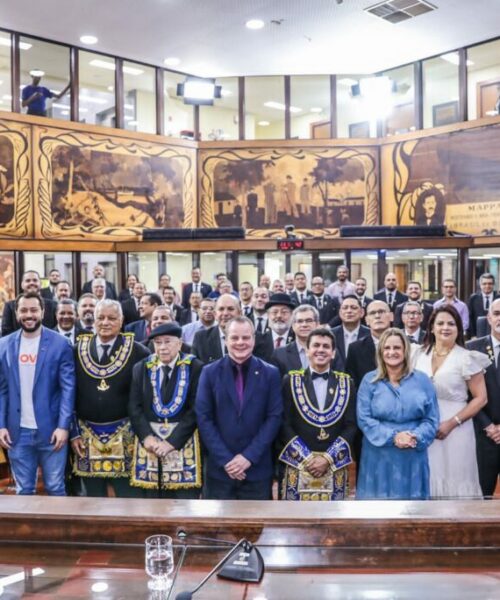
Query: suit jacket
[
  {"x": 130, "y": 311},
  {"x": 286, "y": 358},
  {"x": 421, "y": 336},
  {"x": 186, "y": 316},
  {"x": 53, "y": 387},
  {"x": 398, "y": 315},
  {"x": 476, "y": 310},
  {"x": 78, "y": 330},
  {"x": 491, "y": 412},
  {"x": 205, "y": 289},
  {"x": 176, "y": 310},
  {"x": 264, "y": 345},
  {"x": 141, "y": 402},
  {"x": 340, "y": 353},
  {"x": 124, "y": 295},
  {"x": 482, "y": 327},
  {"x": 46, "y": 293},
  {"x": 294, "y": 297},
  {"x": 360, "y": 359},
  {"x": 329, "y": 312},
  {"x": 139, "y": 329},
  {"x": 206, "y": 344},
  {"x": 227, "y": 429},
  {"x": 9, "y": 321},
  {"x": 398, "y": 298},
  {"x": 110, "y": 289}
]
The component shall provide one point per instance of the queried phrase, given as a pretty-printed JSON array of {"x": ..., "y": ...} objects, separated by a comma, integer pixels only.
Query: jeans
[{"x": 27, "y": 454}]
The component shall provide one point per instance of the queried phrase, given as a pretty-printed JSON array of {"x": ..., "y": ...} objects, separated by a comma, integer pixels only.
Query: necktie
[
  {"x": 239, "y": 384},
  {"x": 389, "y": 299},
  {"x": 301, "y": 298},
  {"x": 413, "y": 339},
  {"x": 195, "y": 287},
  {"x": 164, "y": 383},
  {"x": 278, "y": 342},
  {"x": 224, "y": 347},
  {"x": 320, "y": 302},
  {"x": 486, "y": 303},
  {"x": 319, "y": 375},
  {"x": 68, "y": 335},
  {"x": 259, "y": 324},
  {"x": 105, "y": 355},
  {"x": 247, "y": 310}
]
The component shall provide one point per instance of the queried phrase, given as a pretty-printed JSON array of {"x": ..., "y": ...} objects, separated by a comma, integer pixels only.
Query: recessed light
[
  {"x": 111, "y": 88},
  {"x": 281, "y": 106},
  {"x": 348, "y": 81},
  {"x": 88, "y": 39},
  {"x": 65, "y": 112},
  {"x": 172, "y": 61},
  {"x": 263, "y": 123},
  {"x": 255, "y": 24},
  {"x": 316, "y": 109},
  {"x": 37, "y": 73}
]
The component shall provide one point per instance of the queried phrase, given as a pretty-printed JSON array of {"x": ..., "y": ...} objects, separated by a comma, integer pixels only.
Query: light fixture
[
  {"x": 110, "y": 66},
  {"x": 172, "y": 61},
  {"x": 255, "y": 24},
  {"x": 225, "y": 93},
  {"x": 99, "y": 586},
  {"x": 347, "y": 81},
  {"x": 263, "y": 123},
  {"x": 199, "y": 91},
  {"x": 454, "y": 59},
  {"x": 377, "y": 95},
  {"x": 281, "y": 106},
  {"x": 37, "y": 73},
  {"x": 88, "y": 39},
  {"x": 111, "y": 88},
  {"x": 316, "y": 109},
  {"x": 6, "y": 42}
]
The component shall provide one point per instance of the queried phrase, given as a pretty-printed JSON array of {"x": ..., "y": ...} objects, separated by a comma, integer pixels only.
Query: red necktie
[{"x": 277, "y": 344}]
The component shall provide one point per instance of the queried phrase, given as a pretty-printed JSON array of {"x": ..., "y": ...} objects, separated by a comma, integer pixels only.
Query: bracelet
[{"x": 458, "y": 420}]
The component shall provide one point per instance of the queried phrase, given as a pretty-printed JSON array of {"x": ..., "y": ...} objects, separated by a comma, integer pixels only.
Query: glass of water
[{"x": 159, "y": 561}]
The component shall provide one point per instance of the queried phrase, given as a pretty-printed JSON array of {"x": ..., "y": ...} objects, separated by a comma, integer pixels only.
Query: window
[
  {"x": 355, "y": 112},
  {"x": 5, "y": 84},
  {"x": 441, "y": 90},
  {"x": 145, "y": 266},
  {"x": 264, "y": 108},
  {"x": 140, "y": 97},
  {"x": 483, "y": 80},
  {"x": 97, "y": 89},
  {"x": 401, "y": 116},
  {"x": 90, "y": 259},
  {"x": 220, "y": 121},
  {"x": 310, "y": 107},
  {"x": 7, "y": 290},
  {"x": 179, "y": 120}
]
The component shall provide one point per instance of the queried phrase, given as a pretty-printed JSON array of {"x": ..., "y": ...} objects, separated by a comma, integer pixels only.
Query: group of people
[{"x": 217, "y": 393}]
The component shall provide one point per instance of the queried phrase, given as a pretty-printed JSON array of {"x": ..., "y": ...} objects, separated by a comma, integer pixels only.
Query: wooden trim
[
  {"x": 119, "y": 94},
  {"x": 160, "y": 100},
  {"x": 288, "y": 94},
  {"x": 322, "y": 143},
  {"x": 333, "y": 107},
  {"x": 241, "y": 108},
  {"x": 15, "y": 73},
  {"x": 74, "y": 77}
]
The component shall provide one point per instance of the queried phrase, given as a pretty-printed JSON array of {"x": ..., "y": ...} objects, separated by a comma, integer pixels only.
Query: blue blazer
[
  {"x": 138, "y": 328},
  {"x": 53, "y": 387},
  {"x": 225, "y": 430}
]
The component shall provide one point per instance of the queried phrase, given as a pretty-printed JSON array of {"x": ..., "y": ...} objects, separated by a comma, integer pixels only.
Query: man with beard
[
  {"x": 131, "y": 305},
  {"x": 260, "y": 298},
  {"x": 210, "y": 344},
  {"x": 49, "y": 292},
  {"x": 142, "y": 328},
  {"x": 63, "y": 290},
  {"x": 67, "y": 325},
  {"x": 319, "y": 426},
  {"x": 414, "y": 293},
  {"x": 279, "y": 322},
  {"x": 390, "y": 293},
  {"x": 30, "y": 283},
  {"x": 99, "y": 273},
  {"x": 37, "y": 396},
  {"x": 246, "y": 292},
  {"x": 206, "y": 314},
  {"x": 86, "y": 308},
  {"x": 342, "y": 287},
  {"x": 102, "y": 438},
  {"x": 167, "y": 458}
]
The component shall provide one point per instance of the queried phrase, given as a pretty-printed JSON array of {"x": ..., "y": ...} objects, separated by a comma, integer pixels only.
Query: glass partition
[
  {"x": 145, "y": 266},
  {"x": 275, "y": 265},
  {"x": 248, "y": 269},
  {"x": 211, "y": 263},
  {"x": 364, "y": 264},
  {"x": 5, "y": 71},
  {"x": 401, "y": 118},
  {"x": 483, "y": 80},
  {"x": 302, "y": 261},
  {"x": 265, "y": 108},
  {"x": 179, "y": 265},
  {"x": 108, "y": 260},
  {"x": 7, "y": 279},
  {"x": 97, "y": 89},
  {"x": 140, "y": 97},
  {"x": 328, "y": 264},
  {"x": 220, "y": 121},
  {"x": 356, "y": 114},
  {"x": 484, "y": 260},
  {"x": 179, "y": 121},
  {"x": 441, "y": 90},
  {"x": 311, "y": 95}
]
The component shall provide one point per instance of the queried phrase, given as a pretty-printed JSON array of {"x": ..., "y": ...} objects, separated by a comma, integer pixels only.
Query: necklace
[{"x": 441, "y": 354}]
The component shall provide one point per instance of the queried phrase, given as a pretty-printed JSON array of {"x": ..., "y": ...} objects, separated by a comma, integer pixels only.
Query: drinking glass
[{"x": 159, "y": 561}]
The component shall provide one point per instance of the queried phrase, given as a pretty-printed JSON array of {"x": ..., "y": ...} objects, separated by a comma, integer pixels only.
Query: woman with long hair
[
  {"x": 457, "y": 375},
  {"x": 398, "y": 415}
]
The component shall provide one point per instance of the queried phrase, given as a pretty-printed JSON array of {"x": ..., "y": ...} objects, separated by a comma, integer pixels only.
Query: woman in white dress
[{"x": 455, "y": 372}]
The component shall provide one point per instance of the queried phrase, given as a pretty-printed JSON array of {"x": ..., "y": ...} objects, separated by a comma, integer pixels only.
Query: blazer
[
  {"x": 141, "y": 402},
  {"x": 329, "y": 312},
  {"x": 227, "y": 429},
  {"x": 205, "y": 289},
  {"x": 491, "y": 412},
  {"x": 482, "y": 327},
  {"x": 186, "y": 316},
  {"x": 110, "y": 289},
  {"x": 46, "y": 293},
  {"x": 130, "y": 311},
  {"x": 294, "y": 297},
  {"x": 421, "y": 335},
  {"x": 176, "y": 310},
  {"x": 476, "y": 310},
  {"x": 340, "y": 353},
  {"x": 54, "y": 385},
  {"x": 286, "y": 358},
  {"x": 399, "y": 298},
  {"x": 124, "y": 295},
  {"x": 9, "y": 321},
  {"x": 264, "y": 345},
  {"x": 139, "y": 329},
  {"x": 360, "y": 359},
  {"x": 426, "y": 311},
  {"x": 206, "y": 344},
  {"x": 78, "y": 330}
]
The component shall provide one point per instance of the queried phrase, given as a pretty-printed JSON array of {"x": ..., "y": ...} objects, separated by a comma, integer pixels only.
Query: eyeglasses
[
  {"x": 305, "y": 321},
  {"x": 375, "y": 313},
  {"x": 412, "y": 313}
]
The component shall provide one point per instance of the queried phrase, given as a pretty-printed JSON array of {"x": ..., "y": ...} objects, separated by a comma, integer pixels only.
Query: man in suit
[
  {"x": 414, "y": 293},
  {"x": 163, "y": 418},
  {"x": 142, "y": 328},
  {"x": 210, "y": 344},
  {"x": 169, "y": 301},
  {"x": 239, "y": 410},
  {"x": 319, "y": 426},
  {"x": 128, "y": 291},
  {"x": 349, "y": 331},
  {"x": 482, "y": 327},
  {"x": 66, "y": 317},
  {"x": 190, "y": 315},
  {"x": 162, "y": 316},
  {"x": 293, "y": 356},
  {"x": 63, "y": 290},
  {"x": 361, "y": 285},
  {"x": 206, "y": 314},
  {"x": 277, "y": 286},
  {"x": 279, "y": 330},
  {"x": 49, "y": 292},
  {"x": 101, "y": 436},
  {"x": 30, "y": 283},
  {"x": 487, "y": 421},
  {"x": 131, "y": 305},
  {"x": 300, "y": 294},
  {"x": 196, "y": 285},
  {"x": 98, "y": 288},
  {"x": 327, "y": 306},
  {"x": 246, "y": 292},
  {"x": 390, "y": 293},
  {"x": 99, "y": 273},
  {"x": 480, "y": 302},
  {"x": 342, "y": 286},
  {"x": 260, "y": 298},
  {"x": 37, "y": 397},
  {"x": 86, "y": 307},
  {"x": 412, "y": 316},
  {"x": 289, "y": 283}
]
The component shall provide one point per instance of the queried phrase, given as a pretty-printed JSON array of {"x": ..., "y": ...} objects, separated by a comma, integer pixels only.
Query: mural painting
[
  {"x": 315, "y": 189},
  {"x": 98, "y": 186},
  {"x": 15, "y": 180},
  {"x": 451, "y": 179}
]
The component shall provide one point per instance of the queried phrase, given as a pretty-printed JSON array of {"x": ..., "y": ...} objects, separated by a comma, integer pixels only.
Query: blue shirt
[{"x": 37, "y": 106}]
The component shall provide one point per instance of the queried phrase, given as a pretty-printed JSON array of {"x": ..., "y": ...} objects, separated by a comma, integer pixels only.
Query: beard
[
  {"x": 279, "y": 327},
  {"x": 31, "y": 328}
]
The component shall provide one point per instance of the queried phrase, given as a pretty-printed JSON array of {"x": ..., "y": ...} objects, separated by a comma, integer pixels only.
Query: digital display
[{"x": 289, "y": 245}]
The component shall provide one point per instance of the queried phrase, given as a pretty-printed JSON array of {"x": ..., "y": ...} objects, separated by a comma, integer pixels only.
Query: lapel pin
[
  {"x": 256, "y": 372},
  {"x": 330, "y": 390}
]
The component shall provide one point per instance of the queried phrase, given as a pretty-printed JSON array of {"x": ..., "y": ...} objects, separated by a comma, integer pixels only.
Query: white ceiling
[{"x": 209, "y": 36}]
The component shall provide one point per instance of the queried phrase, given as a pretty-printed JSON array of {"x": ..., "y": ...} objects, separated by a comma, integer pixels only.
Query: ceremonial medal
[
  {"x": 172, "y": 408},
  {"x": 116, "y": 364},
  {"x": 323, "y": 435},
  {"x": 103, "y": 386}
]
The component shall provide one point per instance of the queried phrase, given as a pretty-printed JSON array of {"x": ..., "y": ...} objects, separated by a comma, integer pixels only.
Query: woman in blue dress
[{"x": 399, "y": 417}]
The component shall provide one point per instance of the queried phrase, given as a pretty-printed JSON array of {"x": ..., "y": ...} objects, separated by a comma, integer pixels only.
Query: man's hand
[
  {"x": 150, "y": 443},
  {"x": 317, "y": 466},
  {"x": 59, "y": 438},
  {"x": 5, "y": 440},
  {"x": 78, "y": 446},
  {"x": 237, "y": 466},
  {"x": 492, "y": 431},
  {"x": 163, "y": 448}
]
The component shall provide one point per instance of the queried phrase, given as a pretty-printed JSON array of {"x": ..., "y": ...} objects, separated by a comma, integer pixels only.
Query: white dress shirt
[
  {"x": 350, "y": 337},
  {"x": 320, "y": 389}
]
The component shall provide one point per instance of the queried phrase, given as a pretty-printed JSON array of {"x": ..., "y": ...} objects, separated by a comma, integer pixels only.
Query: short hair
[
  {"x": 63, "y": 281},
  {"x": 108, "y": 303},
  {"x": 321, "y": 332},
  {"x": 169, "y": 287},
  {"x": 382, "y": 372},
  {"x": 413, "y": 282},
  {"x": 409, "y": 304},
  {"x": 154, "y": 298},
  {"x": 98, "y": 281},
  {"x": 299, "y": 273},
  {"x": 233, "y": 298},
  {"x": 85, "y": 296},
  {"x": 30, "y": 271},
  {"x": 241, "y": 319},
  {"x": 363, "y": 278},
  {"x": 305, "y": 308},
  {"x": 28, "y": 295},
  {"x": 66, "y": 302},
  {"x": 430, "y": 338},
  {"x": 246, "y": 283},
  {"x": 351, "y": 297},
  {"x": 54, "y": 271},
  {"x": 487, "y": 276},
  {"x": 449, "y": 280}
]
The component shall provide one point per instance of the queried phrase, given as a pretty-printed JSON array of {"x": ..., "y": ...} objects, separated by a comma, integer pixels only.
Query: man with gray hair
[
  {"x": 101, "y": 436},
  {"x": 412, "y": 316},
  {"x": 279, "y": 331},
  {"x": 98, "y": 288}
]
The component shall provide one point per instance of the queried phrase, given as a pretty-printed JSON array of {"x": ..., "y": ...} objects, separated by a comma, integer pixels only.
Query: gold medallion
[
  {"x": 103, "y": 386},
  {"x": 323, "y": 435}
]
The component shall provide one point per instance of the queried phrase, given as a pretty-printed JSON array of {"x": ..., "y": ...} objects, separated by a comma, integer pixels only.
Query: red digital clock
[{"x": 290, "y": 245}]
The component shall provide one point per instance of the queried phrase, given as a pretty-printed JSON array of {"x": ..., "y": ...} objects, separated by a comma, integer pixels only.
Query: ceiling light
[
  {"x": 347, "y": 81},
  {"x": 111, "y": 88},
  {"x": 65, "y": 112},
  {"x": 110, "y": 66},
  {"x": 454, "y": 59},
  {"x": 172, "y": 61},
  {"x": 255, "y": 24},
  {"x": 316, "y": 109},
  {"x": 280, "y": 106},
  {"x": 263, "y": 123},
  {"x": 99, "y": 586},
  {"x": 6, "y": 42},
  {"x": 37, "y": 73},
  {"x": 88, "y": 39},
  {"x": 225, "y": 93}
]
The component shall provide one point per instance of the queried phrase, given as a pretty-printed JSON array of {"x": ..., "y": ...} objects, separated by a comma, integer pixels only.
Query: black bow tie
[{"x": 318, "y": 375}]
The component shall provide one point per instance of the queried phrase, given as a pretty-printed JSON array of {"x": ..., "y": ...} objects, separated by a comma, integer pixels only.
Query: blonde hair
[{"x": 382, "y": 372}]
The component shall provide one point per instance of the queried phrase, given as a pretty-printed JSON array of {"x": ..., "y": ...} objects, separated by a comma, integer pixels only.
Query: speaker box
[
  {"x": 392, "y": 231},
  {"x": 203, "y": 233}
]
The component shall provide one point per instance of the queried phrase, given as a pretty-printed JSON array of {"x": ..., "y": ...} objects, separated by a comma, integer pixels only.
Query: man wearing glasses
[
  {"x": 412, "y": 322},
  {"x": 414, "y": 293},
  {"x": 327, "y": 306}
]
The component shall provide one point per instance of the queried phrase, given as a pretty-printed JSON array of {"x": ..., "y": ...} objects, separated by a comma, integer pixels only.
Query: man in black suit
[
  {"x": 169, "y": 301},
  {"x": 279, "y": 330},
  {"x": 209, "y": 344},
  {"x": 30, "y": 283},
  {"x": 361, "y": 354},
  {"x": 487, "y": 421},
  {"x": 128, "y": 291},
  {"x": 327, "y": 306},
  {"x": 349, "y": 331},
  {"x": 361, "y": 285},
  {"x": 480, "y": 302},
  {"x": 414, "y": 293},
  {"x": 86, "y": 311},
  {"x": 390, "y": 293},
  {"x": 67, "y": 324},
  {"x": 260, "y": 298},
  {"x": 63, "y": 290},
  {"x": 190, "y": 314},
  {"x": 293, "y": 356},
  {"x": 196, "y": 285},
  {"x": 142, "y": 328},
  {"x": 49, "y": 292},
  {"x": 300, "y": 294},
  {"x": 412, "y": 316},
  {"x": 246, "y": 292},
  {"x": 99, "y": 273},
  {"x": 163, "y": 419},
  {"x": 131, "y": 306}
]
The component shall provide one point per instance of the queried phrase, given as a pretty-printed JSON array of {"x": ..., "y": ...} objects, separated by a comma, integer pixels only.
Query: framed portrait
[
  {"x": 359, "y": 130},
  {"x": 445, "y": 114}
]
